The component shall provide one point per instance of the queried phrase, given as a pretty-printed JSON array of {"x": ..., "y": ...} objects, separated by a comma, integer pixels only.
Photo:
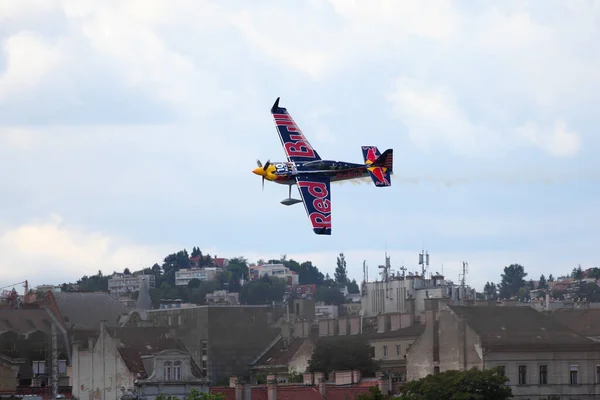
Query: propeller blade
[
  {"x": 263, "y": 183},
  {"x": 267, "y": 165},
  {"x": 258, "y": 163}
]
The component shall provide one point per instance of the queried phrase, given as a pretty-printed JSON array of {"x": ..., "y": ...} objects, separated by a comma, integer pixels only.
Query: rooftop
[
  {"x": 518, "y": 326},
  {"x": 585, "y": 321},
  {"x": 279, "y": 354},
  {"x": 24, "y": 321},
  {"x": 85, "y": 310},
  {"x": 136, "y": 342}
]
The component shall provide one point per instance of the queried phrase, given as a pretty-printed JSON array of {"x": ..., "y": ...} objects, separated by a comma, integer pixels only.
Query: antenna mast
[
  {"x": 385, "y": 274},
  {"x": 365, "y": 271},
  {"x": 465, "y": 270},
  {"x": 424, "y": 261}
]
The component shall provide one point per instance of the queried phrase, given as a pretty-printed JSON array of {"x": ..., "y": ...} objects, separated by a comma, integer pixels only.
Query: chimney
[
  {"x": 239, "y": 393},
  {"x": 322, "y": 388},
  {"x": 272, "y": 389}
]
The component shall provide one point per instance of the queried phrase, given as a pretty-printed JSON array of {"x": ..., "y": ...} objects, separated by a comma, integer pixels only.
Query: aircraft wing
[
  {"x": 316, "y": 196},
  {"x": 296, "y": 147}
]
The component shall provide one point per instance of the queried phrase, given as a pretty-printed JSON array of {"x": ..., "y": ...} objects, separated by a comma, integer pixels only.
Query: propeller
[{"x": 264, "y": 169}]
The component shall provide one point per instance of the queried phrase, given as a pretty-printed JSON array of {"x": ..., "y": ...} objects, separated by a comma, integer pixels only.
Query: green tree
[
  {"x": 513, "y": 279},
  {"x": 353, "y": 287},
  {"x": 196, "y": 252},
  {"x": 550, "y": 278},
  {"x": 490, "y": 290},
  {"x": 341, "y": 273},
  {"x": 373, "y": 394},
  {"x": 473, "y": 384},
  {"x": 343, "y": 353},
  {"x": 542, "y": 284},
  {"x": 94, "y": 283},
  {"x": 263, "y": 291},
  {"x": 577, "y": 273},
  {"x": 594, "y": 273}
]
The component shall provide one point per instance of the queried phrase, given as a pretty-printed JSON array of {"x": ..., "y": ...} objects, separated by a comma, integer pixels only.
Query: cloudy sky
[{"x": 129, "y": 130}]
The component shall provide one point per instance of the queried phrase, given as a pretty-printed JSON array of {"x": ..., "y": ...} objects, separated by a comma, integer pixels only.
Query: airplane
[{"x": 313, "y": 175}]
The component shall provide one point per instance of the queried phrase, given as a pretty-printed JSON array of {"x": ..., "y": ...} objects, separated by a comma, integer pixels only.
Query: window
[
  {"x": 522, "y": 374},
  {"x": 501, "y": 370},
  {"x": 177, "y": 371},
  {"x": 204, "y": 348},
  {"x": 436, "y": 370},
  {"x": 397, "y": 349},
  {"x": 372, "y": 352},
  {"x": 39, "y": 367},
  {"x": 167, "y": 370},
  {"x": 573, "y": 375},
  {"x": 204, "y": 368},
  {"x": 385, "y": 351},
  {"x": 543, "y": 374},
  {"x": 62, "y": 367}
]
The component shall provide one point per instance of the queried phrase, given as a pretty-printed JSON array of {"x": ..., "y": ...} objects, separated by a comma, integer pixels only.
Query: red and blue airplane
[{"x": 313, "y": 176}]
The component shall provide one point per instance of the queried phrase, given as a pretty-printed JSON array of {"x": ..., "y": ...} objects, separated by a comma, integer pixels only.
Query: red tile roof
[
  {"x": 219, "y": 262},
  {"x": 299, "y": 392}
]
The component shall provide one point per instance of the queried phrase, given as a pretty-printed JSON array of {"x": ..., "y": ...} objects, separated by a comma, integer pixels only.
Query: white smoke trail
[{"x": 502, "y": 179}]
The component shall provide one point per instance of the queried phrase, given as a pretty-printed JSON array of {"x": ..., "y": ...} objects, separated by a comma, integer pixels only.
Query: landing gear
[{"x": 289, "y": 201}]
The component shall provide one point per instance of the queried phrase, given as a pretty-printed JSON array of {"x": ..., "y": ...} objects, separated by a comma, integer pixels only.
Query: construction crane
[{"x": 10, "y": 298}]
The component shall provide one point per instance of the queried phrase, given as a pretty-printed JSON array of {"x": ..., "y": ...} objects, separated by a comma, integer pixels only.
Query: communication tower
[
  {"x": 365, "y": 271},
  {"x": 424, "y": 261}
]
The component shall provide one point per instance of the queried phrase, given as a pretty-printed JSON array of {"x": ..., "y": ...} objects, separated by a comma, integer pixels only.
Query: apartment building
[
  {"x": 184, "y": 276},
  {"x": 122, "y": 284},
  {"x": 274, "y": 271}
]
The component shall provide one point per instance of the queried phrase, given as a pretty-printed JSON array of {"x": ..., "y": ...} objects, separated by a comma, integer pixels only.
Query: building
[
  {"x": 389, "y": 346},
  {"x": 170, "y": 372},
  {"x": 539, "y": 355},
  {"x": 223, "y": 297},
  {"x": 347, "y": 385},
  {"x": 283, "y": 357},
  {"x": 125, "y": 360},
  {"x": 274, "y": 271},
  {"x": 301, "y": 291},
  {"x": 47, "y": 288},
  {"x": 222, "y": 340},
  {"x": 123, "y": 284},
  {"x": 392, "y": 295},
  {"x": 184, "y": 276},
  {"x": 26, "y": 352}
]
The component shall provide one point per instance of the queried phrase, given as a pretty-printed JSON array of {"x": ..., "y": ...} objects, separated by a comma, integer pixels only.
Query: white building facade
[
  {"x": 184, "y": 276},
  {"x": 121, "y": 284},
  {"x": 274, "y": 271}
]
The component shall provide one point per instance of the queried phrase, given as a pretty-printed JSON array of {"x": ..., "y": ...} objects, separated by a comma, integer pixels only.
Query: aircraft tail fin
[{"x": 380, "y": 166}]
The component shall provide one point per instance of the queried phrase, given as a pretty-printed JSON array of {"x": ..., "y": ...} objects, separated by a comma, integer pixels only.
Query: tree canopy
[
  {"x": 231, "y": 278},
  {"x": 513, "y": 279},
  {"x": 473, "y": 384},
  {"x": 342, "y": 353}
]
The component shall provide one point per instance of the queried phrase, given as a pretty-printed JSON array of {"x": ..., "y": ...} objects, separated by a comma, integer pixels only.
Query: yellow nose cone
[{"x": 258, "y": 171}]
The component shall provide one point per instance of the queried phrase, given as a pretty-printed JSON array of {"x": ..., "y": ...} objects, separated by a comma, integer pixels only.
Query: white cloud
[
  {"x": 48, "y": 249},
  {"x": 558, "y": 141},
  {"x": 435, "y": 119},
  {"x": 29, "y": 60}
]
